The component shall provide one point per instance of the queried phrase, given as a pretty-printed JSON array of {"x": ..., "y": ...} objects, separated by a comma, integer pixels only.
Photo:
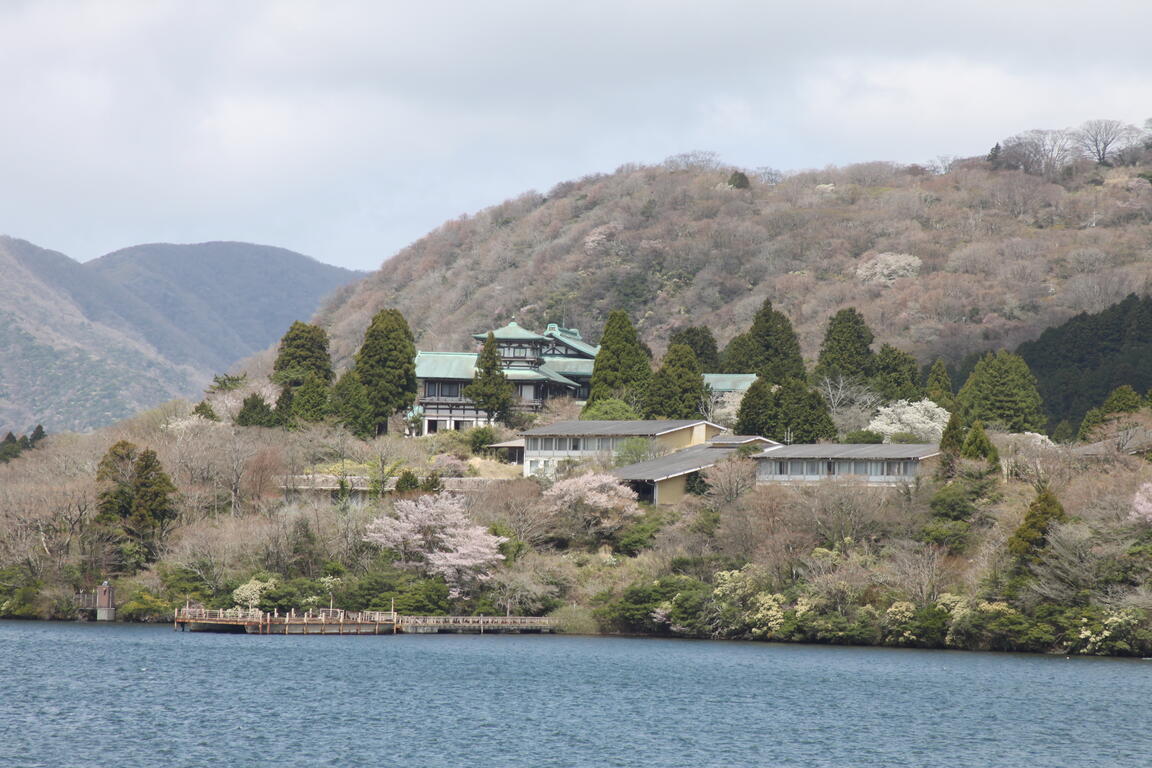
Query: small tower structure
[{"x": 105, "y": 602}]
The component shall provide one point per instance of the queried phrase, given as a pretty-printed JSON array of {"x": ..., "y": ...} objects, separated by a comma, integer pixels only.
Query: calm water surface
[{"x": 90, "y": 695}]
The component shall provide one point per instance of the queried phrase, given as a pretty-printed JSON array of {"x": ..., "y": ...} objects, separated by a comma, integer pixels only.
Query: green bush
[
  {"x": 950, "y": 534},
  {"x": 480, "y": 438},
  {"x": 953, "y": 502},
  {"x": 863, "y": 436}
]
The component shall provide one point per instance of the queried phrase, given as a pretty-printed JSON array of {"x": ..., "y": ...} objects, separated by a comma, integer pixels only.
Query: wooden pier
[{"x": 327, "y": 621}]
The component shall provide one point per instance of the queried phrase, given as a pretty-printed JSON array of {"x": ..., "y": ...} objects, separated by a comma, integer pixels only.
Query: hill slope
[
  {"x": 998, "y": 256},
  {"x": 86, "y": 344}
]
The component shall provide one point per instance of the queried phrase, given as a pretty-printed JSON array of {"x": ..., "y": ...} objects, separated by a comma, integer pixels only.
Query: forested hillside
[
  {"x": 979, "y": 256},
  {"x": 83, "y": 345}
]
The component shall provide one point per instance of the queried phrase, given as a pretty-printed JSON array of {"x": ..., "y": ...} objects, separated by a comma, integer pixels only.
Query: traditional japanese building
[{"x": 541, "y": 366}]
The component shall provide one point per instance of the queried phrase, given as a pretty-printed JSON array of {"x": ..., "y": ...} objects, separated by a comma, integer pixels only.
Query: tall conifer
[
  {"x": 677, "y": 389},
  {"x": 776, "y": 346},
  {"x": 622, "y": 369},
  {"x": 1001, "y": 390},
  {"x": 303, "y": 350},
  {"x": 350, "y": 405},
  {"x": 490, "y": 390},
  {"x": 846, "y": 350},
  {"x": 896, "y": 374},
  {"x": 938, "y": 387},
  {"x": 703, "y": 344},
  {"x": 386, "y": 365}
]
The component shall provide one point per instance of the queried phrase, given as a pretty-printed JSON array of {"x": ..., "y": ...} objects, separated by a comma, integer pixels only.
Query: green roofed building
[{"x": 541, "y": 366}]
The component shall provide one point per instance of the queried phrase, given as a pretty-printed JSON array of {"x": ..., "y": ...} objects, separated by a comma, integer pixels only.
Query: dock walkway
[{"x": 327, "y": 621}]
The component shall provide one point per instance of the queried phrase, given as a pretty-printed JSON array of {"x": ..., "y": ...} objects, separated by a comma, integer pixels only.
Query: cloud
[{"x": 347, "y": 129}]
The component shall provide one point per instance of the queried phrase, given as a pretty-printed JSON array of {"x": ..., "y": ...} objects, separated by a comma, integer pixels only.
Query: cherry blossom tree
[
  {"x": 1142, "y": 505},
  {"x": 594, "y": 505},
  {"x": 434, "y": 534}
]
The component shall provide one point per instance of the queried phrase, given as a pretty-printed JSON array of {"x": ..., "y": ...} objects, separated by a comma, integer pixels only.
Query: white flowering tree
[
  {"x": 1142, "y": 505},
  {"x": 887, "y": 268},
  {"x": 434, "y": 534},
  {"x": 923, "y": 418},
  {"x": 595, "y": 505}
]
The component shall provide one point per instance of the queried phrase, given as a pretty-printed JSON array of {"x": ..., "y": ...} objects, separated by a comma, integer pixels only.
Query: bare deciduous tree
[{"x": 1102, "y": 139}]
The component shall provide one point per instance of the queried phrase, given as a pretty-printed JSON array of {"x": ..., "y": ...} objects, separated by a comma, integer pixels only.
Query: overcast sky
[{"x": 346, "y": 130}]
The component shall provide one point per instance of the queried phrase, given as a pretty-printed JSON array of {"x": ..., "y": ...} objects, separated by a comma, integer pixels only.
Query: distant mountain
[
  {"x": 940, "y": 264},
  {"x": 82, "y": 345}
]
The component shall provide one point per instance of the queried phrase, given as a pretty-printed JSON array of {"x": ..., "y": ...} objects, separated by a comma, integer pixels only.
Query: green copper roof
[
  {"x": 445, "y": 365},
  {"x": 511, "y": 332},
  {"x": 729, "y": 382},
  {"x": 574, "y": 366},
  {"x": 572, "y": 338}
]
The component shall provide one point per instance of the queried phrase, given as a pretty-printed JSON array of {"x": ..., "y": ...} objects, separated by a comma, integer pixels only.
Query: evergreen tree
[
  {"x": 739, "y": 355},
  {"x": 255, "y": 412},
  {"x": 1123, "y": 399},
  {"x": 386, "y": 365},
  {"x": 952, "y": 441},
  {"x": 135, "y": 502},
  {"x": 283, "y": 409},
  {"x": 153, "y": 506},
  {"x": 431, "y": 483},
  {"x": 775, "y": 344},
  {"x": 407, "y": 482},
  {"x": 677, "y": 389},
  {"x": 938, "y": 387},
  {"x": 702, "y": 342},
  {"x": 1092, "y": 419},
  {"x": 303, "y": 350},
  {"x": 738, "y": 180},
  {"x": 758, "y": 414},
  {"x": 1032, "y": 535},
  {"x": 896, "y": 375},
  {"x": 351, "y": 407},
  {"x": 978, "y": 446},
  {"x": 790, "y": 412},
  {"x": 622, "y": 369},
  {"x": 10, "y": 439},
  {"x": 38, "y": 434},
  {"x": 803, "y": 413},
  {"x": 846, "y": 350},
  {"x": 490, "y": 390},
  {"x": 205, "y": 410},
  {"x": 1001, "y": 390},
  {"x": 310, "y": 400},
  {"x": 609, "y": 409}
]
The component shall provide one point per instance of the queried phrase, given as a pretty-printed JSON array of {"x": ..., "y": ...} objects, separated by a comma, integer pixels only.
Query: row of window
[
  {"x": 456, "y": 389},
  {"x": 833, "y": 467},
  {"x": 607, "y": 444}
]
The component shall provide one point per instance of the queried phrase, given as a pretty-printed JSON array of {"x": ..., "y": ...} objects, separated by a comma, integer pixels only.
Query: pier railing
[{"x": 333, "y": 617}]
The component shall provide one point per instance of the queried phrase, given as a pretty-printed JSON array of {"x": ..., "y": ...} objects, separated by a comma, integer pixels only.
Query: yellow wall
[
  {"x": 688, "y": 436},
  {"x": 671, "y": 490}
]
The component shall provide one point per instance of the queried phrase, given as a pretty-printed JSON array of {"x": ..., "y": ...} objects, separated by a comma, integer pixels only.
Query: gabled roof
[
  {"x": 634, "y": 428},
  {"x": 862, "y": 451},
  {"x": 682, "y": 462},
  {"x": 538, "y": 373},
  {"x": 511, "y": 332},
  {"x": 738, "y": 440},
  {"x": 729, "y": 382},
  {"x": 572, "y": 338}
]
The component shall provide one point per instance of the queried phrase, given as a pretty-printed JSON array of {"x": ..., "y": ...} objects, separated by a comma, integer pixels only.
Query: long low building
[
  {"x": 871, "y": 463},
  {"x": 545, "y": 448},
  {"x": 664, "y": 480}
]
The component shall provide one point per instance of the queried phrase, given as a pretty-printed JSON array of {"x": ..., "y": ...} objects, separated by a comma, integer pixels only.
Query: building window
[
  {"x": 575, "y": 444},
  {"x": 604, "y": 444},
  {"x": 431, "y": 388},
  {"x": 519, "y": 352},
  {"x": 546, "y": 444},
  {"x": 532, "y": 444},
  {"x": 450, "y": 389}
]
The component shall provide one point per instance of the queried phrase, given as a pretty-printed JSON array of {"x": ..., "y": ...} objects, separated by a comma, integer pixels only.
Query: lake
[{"x": 131, "y": 695}]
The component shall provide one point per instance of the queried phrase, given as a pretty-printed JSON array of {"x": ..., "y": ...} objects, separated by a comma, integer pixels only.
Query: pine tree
[
  {"x": 952, "y": 441},
  {"x": 351, "y": 407},
  {"x": 135, "y": 502},
  {"x": 1092, "y": 419},
  {"x": 738, "y": 180},
  {"x": 386, "y": 365},
  {"x": 677, "y": 389},
  {"x": 702, "y": 342},
  {"x": 310, "y": 400},
  {"x": 407, "y": 482},
  {"x": 255, "y": 412},
  {"x": 303, "y": 350},
  {"x": 490, "y": 390},
  {"x": 152, "y": 504},
  {"x": 938, "y": 387},
  {"x": 776, "y": 346},
  {"x": 205, "y": 410},
  {"x": 846, "y": 350},
  {"x": 1002, "y": 391},
  {"x": 978, "y": 446},
  {"x": 283, "y": 409},
  {"x": 1032, "y": 535},
  {"x": 38, "y": 434},
  {"x": 622, "y": 369},
  {"x": 896, "y": 375}
]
